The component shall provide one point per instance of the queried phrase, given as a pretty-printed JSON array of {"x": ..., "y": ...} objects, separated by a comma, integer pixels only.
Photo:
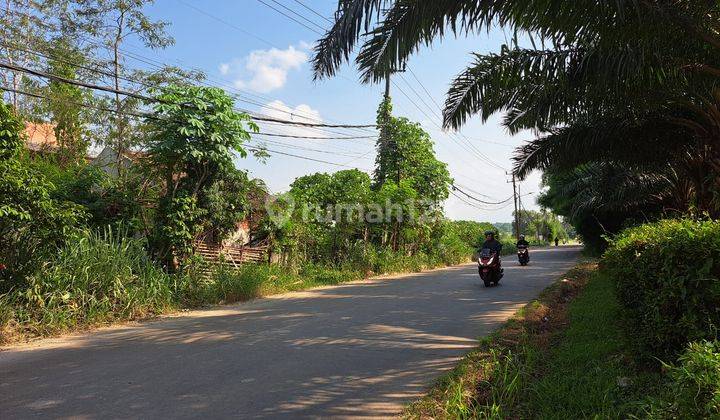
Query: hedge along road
[{"x": 359, "y": 349}]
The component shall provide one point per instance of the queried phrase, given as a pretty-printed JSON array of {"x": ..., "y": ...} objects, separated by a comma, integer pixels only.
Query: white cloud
[
  {"x": 301, "y": 113},
  {"x": 265, "y": 70}
]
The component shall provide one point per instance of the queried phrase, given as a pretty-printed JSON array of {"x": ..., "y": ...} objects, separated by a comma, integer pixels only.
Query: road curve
[{"x": 357, "y": 350}]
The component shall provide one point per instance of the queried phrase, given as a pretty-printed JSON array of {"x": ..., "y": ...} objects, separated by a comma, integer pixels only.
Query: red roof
[{"x": 40, "y": 136}]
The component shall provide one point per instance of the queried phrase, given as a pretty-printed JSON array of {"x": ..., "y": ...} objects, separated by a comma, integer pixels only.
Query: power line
[
  {"x": 412, "y": 73},
  {"x": 455, "y": 188},
  {"x": 309, "y": 149},
  {"x": 305, "y": 158},
  {"x": 75, "y": 82},
  {"x": 152, "y": 117},
  {"x": 162, "y": 66},
  {"x": 313, "y": 11},
  {"x": 300, "y": 15},
  {"x": 84, "y": 105},
  {"x": 291, "y": 18},
  {"x": 56, "y": 78},
  {"x": 317, "y": 137},
  {"x": 473, "y": 149}
]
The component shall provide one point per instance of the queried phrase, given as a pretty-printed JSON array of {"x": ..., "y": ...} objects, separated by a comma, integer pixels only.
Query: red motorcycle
[{"x": 489, "y": 267}]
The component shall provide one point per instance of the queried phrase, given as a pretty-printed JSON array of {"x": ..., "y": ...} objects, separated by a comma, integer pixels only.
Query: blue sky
[{"x": 254, "y": 51}]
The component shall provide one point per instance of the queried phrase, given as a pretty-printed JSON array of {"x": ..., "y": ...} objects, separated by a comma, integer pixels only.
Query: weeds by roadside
[
  {"x": 561, "y": 356},
  {"x": 98, "y": 279}
]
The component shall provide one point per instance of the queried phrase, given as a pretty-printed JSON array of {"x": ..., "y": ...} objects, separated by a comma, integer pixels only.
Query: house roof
[{"x": 40, "y": 136}]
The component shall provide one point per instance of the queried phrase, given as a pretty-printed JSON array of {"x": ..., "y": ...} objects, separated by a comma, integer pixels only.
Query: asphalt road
[{"x": 362, "y": 349}]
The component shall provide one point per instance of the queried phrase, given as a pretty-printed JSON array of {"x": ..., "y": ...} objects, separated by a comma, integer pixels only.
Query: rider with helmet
[
  {"x": 495, "y": 246},
  {"x": 491, "y": 243},
  {"x": 522, "y": 242}
]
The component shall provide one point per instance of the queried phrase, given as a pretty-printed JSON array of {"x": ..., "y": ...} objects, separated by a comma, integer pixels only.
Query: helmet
[
  {"x": 522, "y": 237},
  {"x": 490, "y": 233}
]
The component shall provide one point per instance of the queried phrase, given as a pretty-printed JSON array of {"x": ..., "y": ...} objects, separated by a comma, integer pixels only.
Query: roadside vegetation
[
  {"x": 87, "y": 242},
  {"x": 635, "y": 338},
  {"x": 623, "y": 97}
]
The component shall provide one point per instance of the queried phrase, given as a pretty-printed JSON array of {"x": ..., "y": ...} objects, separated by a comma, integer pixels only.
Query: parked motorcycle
[
  {"x": 489, "y": 267},
  {"x": 523, "y": 254}
]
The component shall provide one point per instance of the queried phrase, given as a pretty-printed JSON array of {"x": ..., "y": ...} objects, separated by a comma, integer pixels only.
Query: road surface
[{"x": 357, "y": 350}]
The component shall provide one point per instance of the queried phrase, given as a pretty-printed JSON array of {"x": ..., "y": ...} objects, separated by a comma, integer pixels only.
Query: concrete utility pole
[
  {"x": 395, "y": 152},
  {"x": 517, "y": 215}
]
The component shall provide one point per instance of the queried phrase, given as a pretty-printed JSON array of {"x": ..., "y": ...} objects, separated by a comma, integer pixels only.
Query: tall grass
[
  {"x": 98, "y": 278},
  {"x": 95, "y": 278}
]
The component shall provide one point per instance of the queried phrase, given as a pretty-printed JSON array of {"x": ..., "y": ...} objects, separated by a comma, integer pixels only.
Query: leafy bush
[
  {"x": 667, "y": 280},
  {"x": 32, "y": 223},
  {"x": 94, "y": 279},
  {"x": 694, "y": 389}
]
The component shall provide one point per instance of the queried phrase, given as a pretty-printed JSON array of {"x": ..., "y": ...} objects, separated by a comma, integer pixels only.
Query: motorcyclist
[
  {"x": 491, "y": 243},
  {"x": 522, "y": 242},
  {"x": 495, "y": 246}
]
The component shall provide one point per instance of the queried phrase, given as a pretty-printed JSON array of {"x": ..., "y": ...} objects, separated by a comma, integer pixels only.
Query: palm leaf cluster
[{"x": 621, "y": 93}]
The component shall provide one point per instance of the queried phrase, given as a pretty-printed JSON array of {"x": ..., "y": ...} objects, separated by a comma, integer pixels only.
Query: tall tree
[
  {"x": 193, "y": 139},
  {"x": 23, "y": 25},
  {"x": 114, "y": 22},
  {"x": 65, "y": 102},
  {"x": 606, "y": 84}
]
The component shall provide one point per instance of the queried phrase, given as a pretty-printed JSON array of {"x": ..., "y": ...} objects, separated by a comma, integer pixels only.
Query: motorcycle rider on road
[
  {"x": 493, "y": 245},
  {"x": 522, "y": 242}
]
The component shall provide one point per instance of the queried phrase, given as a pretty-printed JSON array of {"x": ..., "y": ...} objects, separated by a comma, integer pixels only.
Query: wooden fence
[{"x": 232, "y": 255}]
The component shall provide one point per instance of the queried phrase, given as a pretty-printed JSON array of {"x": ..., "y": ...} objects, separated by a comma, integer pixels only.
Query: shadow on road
[{"x": 357, "y": 349}]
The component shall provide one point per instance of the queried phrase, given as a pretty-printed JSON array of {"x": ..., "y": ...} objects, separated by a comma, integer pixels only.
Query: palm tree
[{"x": 604, "y": 82}]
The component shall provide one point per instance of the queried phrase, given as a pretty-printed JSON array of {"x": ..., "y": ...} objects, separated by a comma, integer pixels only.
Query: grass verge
[
  {"x": 563, "y": 355},
  {"x": 100, "y": 279}
]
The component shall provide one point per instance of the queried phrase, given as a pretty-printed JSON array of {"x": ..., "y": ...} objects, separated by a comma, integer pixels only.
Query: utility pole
[
  {"x": 517, "y": 215},
  {"x": 395, "y": 151}
]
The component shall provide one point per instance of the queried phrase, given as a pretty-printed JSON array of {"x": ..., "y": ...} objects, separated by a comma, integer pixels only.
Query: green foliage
[
  {"x": 667, "y": 281},
  {"x": 65, "y": 101},
  {"x": 195, "y": 133},
  {"x": 602, "y": 199},
  {"x": 95, "y": 278},
  {"x": 178, "y": 224},
  {"x": 32, "y": 223},
  {"x": 405, "y": 153},
  {"x": 11, "y": 141},
  {"x": 191, "y": 145},
  {"x": 694, "y": 388},
  {"x": 541, "y": 226},
  {"x": 473, "y": 233}
]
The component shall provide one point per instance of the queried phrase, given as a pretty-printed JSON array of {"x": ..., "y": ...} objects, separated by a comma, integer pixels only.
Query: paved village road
[{"x": 357, "y": 350}]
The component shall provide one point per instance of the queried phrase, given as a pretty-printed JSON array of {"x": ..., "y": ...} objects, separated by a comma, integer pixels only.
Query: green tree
[
  {"x": 65, "y": 104},
  {"x": 32, "y": 223},
  {"x": 630, "y": 84},
  {"x": 192, "y": 140},
  {"x": 114, "y": 22}
]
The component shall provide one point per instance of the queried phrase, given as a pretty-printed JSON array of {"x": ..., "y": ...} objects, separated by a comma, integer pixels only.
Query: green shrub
[
  {"x": 667, "y": 281},
  {"x": 694, "y": 388},
  {"x": 95, "y": 278}
]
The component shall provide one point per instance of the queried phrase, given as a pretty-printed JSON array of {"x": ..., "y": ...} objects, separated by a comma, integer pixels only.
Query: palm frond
[
  {"x": 352, "y": 19},
  {"x": 634, "y": 143}
]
